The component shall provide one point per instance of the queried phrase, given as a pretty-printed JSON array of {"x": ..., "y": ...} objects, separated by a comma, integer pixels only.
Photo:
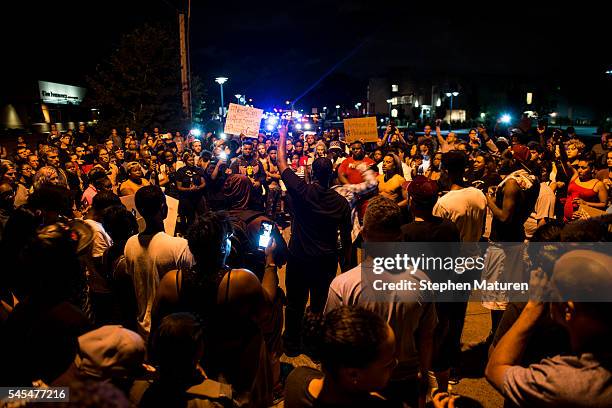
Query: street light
[
  {"x": 451, "y": 95},
  {"x": 221, "y": 81},
  {"x": 238, "y": 96}
]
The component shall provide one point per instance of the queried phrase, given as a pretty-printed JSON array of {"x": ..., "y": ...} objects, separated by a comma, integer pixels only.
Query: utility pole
[{"x": 185, "y": 80}]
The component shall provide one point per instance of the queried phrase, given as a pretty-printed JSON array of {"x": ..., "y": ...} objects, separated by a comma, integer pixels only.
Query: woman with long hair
[
  {"x": 391, "y": 181},
  {"x": 434, "y": 171},
  {"x": 103, "y": 160}
]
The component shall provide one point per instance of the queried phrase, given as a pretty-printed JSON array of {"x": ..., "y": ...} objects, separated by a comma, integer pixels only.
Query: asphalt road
[{"x": 473, "y": 387}]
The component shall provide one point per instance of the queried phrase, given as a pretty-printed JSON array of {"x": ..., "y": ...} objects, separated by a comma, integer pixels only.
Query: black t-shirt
[
  {"x": 318, "y": 215},
  {"x": 189, "y": 176},
  {"x": 214, "y": 188},
  {"x": 297, "y": 395},
  {"x": 435, "y": 230},
  {"x": 511, "y": 230}
]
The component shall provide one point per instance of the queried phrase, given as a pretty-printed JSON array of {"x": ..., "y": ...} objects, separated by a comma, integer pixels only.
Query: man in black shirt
[
  {"x": 82, "y": 137},
  {"x": 423, "y": 194},
  {"x": 248, "y": 165},
  {"x": 319, "y": 214}
]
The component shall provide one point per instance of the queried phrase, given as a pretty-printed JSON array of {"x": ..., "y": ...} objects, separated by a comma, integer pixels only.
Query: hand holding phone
[{"x": 265, "y": 235}]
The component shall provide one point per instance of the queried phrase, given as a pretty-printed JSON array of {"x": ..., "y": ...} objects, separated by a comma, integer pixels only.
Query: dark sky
[{"x": 275, "y": 50}]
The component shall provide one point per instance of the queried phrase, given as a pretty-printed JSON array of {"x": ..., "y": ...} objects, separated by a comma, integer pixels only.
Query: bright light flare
[{"x": 506, "y": 118}]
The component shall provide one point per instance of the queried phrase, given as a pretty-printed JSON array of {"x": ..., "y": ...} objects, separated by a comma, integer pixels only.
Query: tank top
[{"x": 576, "y": 191}]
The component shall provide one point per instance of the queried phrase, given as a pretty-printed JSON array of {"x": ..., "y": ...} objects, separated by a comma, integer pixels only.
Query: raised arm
[
  {"x": 441, "y": 139},
  {"x": 269, "y": 282},
  {"x": 509, "y": 350},
  {"x": 487, "y": 140},
  {"x": 569, "y": 171},
  {"x": 282, "y": 149},
  {"x": 215, "y": 171},
  {"x": 511, "y": 189}
]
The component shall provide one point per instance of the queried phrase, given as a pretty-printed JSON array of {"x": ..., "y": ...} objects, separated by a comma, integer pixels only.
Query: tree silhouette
[{"x": 139, "y": 84}]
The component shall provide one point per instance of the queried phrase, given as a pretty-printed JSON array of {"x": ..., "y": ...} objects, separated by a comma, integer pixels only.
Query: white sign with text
[{"x": 243, "y": 120}]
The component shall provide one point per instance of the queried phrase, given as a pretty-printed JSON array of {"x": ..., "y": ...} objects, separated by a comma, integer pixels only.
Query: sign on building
[
  {"x": 361, "y": 129},
  {"x": 243, "y": 120},
  {"x": 60, "y": 94}
]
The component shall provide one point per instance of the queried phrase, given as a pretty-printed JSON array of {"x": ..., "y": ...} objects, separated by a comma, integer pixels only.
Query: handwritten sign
[
  {"x": 361, "y": 129},
  {"x": 243, "y": 120}
]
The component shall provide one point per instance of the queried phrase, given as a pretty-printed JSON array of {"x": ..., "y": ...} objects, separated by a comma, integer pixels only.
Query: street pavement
[{"x": 473, "y": 387}]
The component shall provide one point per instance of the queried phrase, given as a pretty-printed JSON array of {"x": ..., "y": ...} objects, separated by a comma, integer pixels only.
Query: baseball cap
[
  {"x": 520, "y": 152},
  {"x": 335, "y": 145},
  {"x": 110, "y": 352},
  {"x": 423, "y": 189}
]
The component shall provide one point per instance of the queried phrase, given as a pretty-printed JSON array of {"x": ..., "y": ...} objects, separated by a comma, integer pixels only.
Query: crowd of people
[{"x": 97, "y": 296}]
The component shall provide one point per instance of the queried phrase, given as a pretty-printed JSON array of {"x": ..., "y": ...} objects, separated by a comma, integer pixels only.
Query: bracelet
[{"x": 271, "y": 265}]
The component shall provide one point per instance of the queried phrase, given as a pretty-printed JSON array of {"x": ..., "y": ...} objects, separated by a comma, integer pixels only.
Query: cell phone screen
[{"x": 265, "y": 233}]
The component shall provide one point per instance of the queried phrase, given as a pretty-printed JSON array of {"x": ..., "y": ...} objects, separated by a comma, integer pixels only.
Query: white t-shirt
[
  {"x": 101, "y": 242},
  {"x": 148, "y": 258},
  {"x": 466, "y": 208},
  {"x": 406, "y": 314},
  {"x": 544, "y": 208}
]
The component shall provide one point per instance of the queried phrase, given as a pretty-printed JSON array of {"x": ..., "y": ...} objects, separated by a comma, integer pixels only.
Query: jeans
[
  {"x": 272, "y": 197},
  {"x": 304, "y": 277}
]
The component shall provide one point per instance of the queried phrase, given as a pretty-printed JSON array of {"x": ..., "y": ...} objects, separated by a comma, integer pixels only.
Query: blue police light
[
  {"x": 270, "y": 128},
  {"x": 196, "y": 132},
  {"x": 505, "y": 118},
  {"x": 298, "y": 126}
]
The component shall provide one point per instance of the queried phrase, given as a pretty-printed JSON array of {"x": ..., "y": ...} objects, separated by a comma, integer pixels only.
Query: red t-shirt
[{"x": 352, "y": 174}]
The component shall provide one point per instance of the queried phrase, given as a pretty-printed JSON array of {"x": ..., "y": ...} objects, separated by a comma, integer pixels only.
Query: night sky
[{"x": 274, "y": 50}]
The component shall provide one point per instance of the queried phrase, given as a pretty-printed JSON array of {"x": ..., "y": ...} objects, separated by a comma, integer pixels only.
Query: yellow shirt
[
  {"x": 392, "y": 189},
  {"x": 128, "y": 187}
]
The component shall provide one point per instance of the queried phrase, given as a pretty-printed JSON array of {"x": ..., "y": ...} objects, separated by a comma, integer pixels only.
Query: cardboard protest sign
[
  {"x": 361, "y": 129},
  {"x": 243, "y": 120},
  {"x": 169, "y": 222}
]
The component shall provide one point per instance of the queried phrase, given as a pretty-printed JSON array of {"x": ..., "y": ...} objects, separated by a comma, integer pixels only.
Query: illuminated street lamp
[
  {"x": 451, "y": 95},
  {"x": 238, "y": 96},
  {"x": 221, "y": 81}
]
